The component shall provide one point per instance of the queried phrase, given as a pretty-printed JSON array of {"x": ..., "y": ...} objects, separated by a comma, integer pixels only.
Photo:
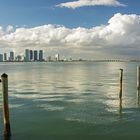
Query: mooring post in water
[
  {"x": 138, "y": 86},
  {"x": 138, "y": 98},
  {"x": 5, "y": 106},
  {"x": 120, "y": 107},
  {"x": 138, "y": 78},
  {"x": 121, "y": 80}
]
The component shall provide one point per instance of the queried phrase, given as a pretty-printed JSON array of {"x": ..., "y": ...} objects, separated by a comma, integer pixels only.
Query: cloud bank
[
  {"x": 82, "y": 3},
  {"x": 120, "y": 36}
]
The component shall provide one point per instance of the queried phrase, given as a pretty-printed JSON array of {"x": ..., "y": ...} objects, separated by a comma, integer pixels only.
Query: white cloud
[
  {"x": 121, "y": 36},
  {"x": 1, "y": 31},
  {"x": 10, "y": 29},
  {"x": 81, "y": 3}
]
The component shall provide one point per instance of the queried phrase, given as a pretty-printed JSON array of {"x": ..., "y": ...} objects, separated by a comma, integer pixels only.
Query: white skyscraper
[
  {"x": 1, "y": 57},
  {"x": 57, "y": 57},
  {"x": 11, "y": 58},
  {"x": 5, "y": 56},
  {"x": 27, "y": 55}
]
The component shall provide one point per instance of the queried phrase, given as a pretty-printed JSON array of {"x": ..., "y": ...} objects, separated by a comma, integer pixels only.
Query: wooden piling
[
  {"x": 5, "y": 106},
  {"x": 138, "y": 77},
  {"x": 138, "y": 98},
  {"x": 121, "y": 80},
  {"x": 120, "y": 108}
]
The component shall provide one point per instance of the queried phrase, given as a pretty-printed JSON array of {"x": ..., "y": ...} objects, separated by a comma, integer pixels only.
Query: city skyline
[
  {"x": 76, "y": 28},
  {"x": 30, "y": 56}
]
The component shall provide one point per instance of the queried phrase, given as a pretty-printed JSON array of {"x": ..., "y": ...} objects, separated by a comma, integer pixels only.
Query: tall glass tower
[
  {"x": 11, "y": 58},
  {"x": 40, "y": 55},
  {"x": 35, "y": 55},
  {"x": 31, "y": 55}
]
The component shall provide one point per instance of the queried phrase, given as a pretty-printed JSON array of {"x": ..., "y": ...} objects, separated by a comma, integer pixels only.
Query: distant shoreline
[{"x": 61, "y": 61}]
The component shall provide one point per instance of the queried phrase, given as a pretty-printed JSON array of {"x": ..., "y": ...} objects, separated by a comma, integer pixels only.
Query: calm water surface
[{"x": 70, "y": 101}]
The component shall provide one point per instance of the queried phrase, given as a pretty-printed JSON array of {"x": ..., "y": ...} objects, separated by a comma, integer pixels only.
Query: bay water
[{"x": 71, "y": 100}]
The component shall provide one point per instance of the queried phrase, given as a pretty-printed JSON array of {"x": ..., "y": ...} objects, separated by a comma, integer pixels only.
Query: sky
[{"x": 90, "y": 29}]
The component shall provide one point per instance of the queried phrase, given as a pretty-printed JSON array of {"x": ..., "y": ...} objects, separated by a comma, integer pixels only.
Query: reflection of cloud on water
[
  {"x": 74, "y": 120},
  {"x": 65, "y": 79},
  {"x": 35, "y": 95},
  {"x": 50, "y": 107},
  {"x": 111, "y": 88},
  {"x": 110, "y": 94},
  {"x": 75, "y": 100},
  {"x": 15, "y": 105},
  {"x": 111, "y": 98},
  {"x": 49, "y": 99}
]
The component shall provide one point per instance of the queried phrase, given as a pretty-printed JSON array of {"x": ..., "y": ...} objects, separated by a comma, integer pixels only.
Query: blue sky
[
  {"x": 40, "y": 12},
  {"x": 97, "y": 29}
]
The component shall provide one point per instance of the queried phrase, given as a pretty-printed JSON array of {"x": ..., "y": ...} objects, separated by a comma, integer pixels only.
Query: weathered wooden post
[
  {"x": 138, "y": 98},
  {"x": 4, "y": 80},
  {"x": 138, "y": 86},
  {"x": 138, "y": 77},
  {"x": 121, "y": 80},
  {"x": 120, "y": 108}
]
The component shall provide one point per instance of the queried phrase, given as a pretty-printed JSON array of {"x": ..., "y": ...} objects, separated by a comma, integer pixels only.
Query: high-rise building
[
  {"x": 35, "y": 55},
  {"x": 5, "y": 56},
  {"x": 31, "y": 55},
  {"x": 1, "y": 57},
  {"x": 40, "y": 55},
  {"x": 49, "y": 59},
  {"x": 19, "y": 58},
  {"x": 11, "y": 58},
  {"x": 27, "y": 55},
  {"x": 57, "y": 57}
]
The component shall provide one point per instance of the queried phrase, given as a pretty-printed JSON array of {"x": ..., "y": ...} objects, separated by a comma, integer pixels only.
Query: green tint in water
[{"x": 71, "y": 101}]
